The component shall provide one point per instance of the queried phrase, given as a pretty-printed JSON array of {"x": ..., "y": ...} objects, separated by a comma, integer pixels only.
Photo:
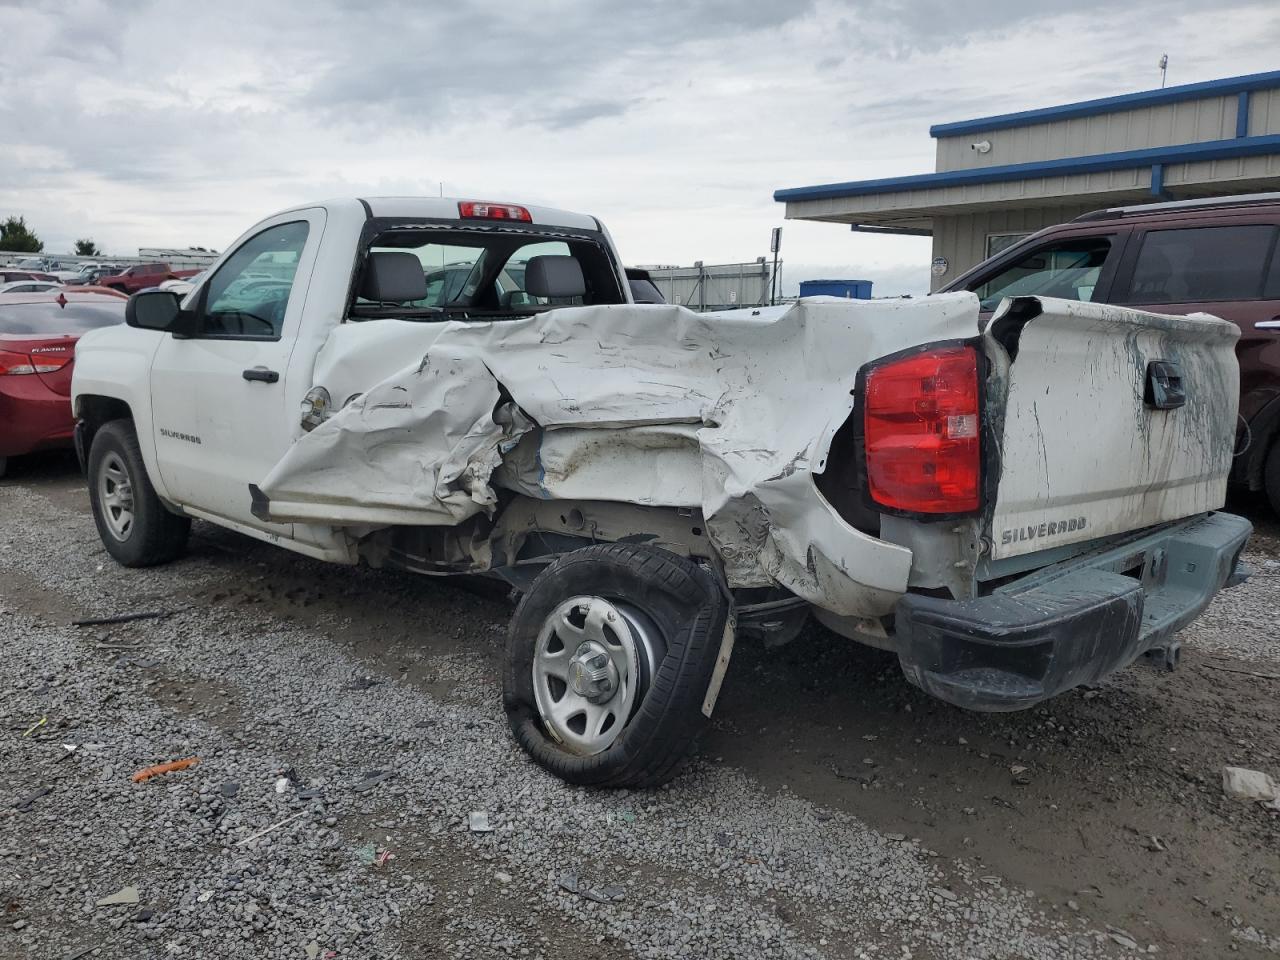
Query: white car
[
  {"x": 29, "y": 286},
  {"x": 183, "y": 286},
  {"x": 1015, "y": 505},
  {"x": 67, "y": 271}
]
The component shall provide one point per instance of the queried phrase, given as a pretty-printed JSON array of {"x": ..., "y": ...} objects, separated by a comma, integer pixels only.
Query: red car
[
  {"x": 142, "y": 276},
  {"x": 38, "y": 334}
]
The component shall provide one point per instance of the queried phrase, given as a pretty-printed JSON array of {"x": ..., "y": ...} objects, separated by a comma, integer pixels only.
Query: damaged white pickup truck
[{"x": 1014, "y": 506}]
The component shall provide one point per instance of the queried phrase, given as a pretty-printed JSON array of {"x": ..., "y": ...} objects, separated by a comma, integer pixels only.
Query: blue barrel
[{"x": 848, "y": 289}]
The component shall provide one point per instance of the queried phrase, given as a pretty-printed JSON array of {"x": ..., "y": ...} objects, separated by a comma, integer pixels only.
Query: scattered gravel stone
[{"x": 716, "y": 865}]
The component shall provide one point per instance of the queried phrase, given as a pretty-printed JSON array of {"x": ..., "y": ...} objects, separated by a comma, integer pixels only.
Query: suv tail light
[
  {"x": 20, "y": 364},
  {"x": 921, "y": 430},
  {"x": 483, "y": 210}
]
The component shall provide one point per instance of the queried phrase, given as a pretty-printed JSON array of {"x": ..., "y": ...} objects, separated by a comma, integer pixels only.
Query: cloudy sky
[{"x": 181, "y": 124}]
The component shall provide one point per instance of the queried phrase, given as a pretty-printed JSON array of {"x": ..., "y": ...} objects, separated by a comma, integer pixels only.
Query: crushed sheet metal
[{"x": 654, "y": 405}]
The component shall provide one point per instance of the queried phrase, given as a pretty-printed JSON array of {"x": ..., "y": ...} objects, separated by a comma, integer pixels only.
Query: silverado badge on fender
[{"x": 173, "y": 435}]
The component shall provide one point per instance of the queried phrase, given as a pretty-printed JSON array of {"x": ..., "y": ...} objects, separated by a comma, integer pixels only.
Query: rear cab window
[{"x": 479, "y": 272}]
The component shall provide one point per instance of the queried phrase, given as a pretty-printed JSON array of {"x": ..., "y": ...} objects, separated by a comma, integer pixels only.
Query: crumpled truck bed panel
[{"x": 731, "y": 413}]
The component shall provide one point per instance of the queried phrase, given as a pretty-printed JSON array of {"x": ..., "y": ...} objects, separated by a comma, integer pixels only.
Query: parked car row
[{"x": 126, "y": 280}]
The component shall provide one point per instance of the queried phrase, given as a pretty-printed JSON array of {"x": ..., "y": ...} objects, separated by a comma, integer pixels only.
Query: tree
[
  {"x": 86, "y": 248},
  {"x": 17, "y": 238}
]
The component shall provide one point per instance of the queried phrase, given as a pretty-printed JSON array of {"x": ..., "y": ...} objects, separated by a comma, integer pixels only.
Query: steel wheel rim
[
  {"x": 115, "y": 495},
  {"x": 585, "y": 704}
]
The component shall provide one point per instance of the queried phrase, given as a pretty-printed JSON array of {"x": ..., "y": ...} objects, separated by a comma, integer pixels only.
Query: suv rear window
[{"x": 1199, "y": 264}]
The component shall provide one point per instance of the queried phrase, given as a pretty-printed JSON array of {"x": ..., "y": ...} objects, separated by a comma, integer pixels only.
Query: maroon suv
[
  {"x": 141, "y": 276},
  {"x": 1215, "y": 256}
]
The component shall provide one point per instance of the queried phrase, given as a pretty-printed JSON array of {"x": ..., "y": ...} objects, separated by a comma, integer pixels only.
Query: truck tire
[
  {"x": 135, "y": 526},
  {"x": 608, "y": 659},
  {"x": 4, "y": 465},
  {"x": 1271, "y": 476}
]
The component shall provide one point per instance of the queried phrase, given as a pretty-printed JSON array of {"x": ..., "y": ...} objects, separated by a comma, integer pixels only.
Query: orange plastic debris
[{"x": 159, "y": 768}]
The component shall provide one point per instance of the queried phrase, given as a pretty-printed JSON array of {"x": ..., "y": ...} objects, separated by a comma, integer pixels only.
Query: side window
[
  {"x": 248, "y": 295},
  {"x": 1000, "y": 242},
  {"x": 1199, "y": 264},
  {"x": 1068, "y": 269},
  {"x": 1271, "y": 288}
]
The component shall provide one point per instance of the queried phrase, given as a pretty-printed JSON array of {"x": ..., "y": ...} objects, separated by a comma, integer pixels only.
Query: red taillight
[
  {"x": 921, "y": 430},
  {"x": 20, "y": 364},
  {"x": 481, "y": 210}
]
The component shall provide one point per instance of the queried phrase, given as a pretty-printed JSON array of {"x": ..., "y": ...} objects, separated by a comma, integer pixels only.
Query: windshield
[
  {"x": 482, "y": 271},
  {"x": 48, "y": 319}
]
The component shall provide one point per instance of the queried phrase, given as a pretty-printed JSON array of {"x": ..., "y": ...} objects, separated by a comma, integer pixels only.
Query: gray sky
[{"x": 182, "y": 124}]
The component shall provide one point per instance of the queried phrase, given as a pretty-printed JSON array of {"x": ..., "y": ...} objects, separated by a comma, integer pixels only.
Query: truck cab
[{"x": 234, "y": 378}]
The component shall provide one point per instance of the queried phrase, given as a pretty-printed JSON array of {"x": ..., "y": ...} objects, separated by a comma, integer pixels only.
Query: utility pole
[
  {"x": 1164, "y": 67},
  {"x": 775, "y": 244}
]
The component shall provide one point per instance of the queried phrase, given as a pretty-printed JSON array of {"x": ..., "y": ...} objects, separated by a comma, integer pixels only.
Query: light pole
[{"x": 775, "y": 244}]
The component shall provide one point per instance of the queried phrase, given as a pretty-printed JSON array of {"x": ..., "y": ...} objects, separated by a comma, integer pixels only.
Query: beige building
[{"x": 999, "y": 178}]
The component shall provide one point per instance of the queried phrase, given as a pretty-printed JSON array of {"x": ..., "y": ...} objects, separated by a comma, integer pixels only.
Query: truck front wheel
[
  {"x": 134, "y": 525},
  {"x": 609, "y": 657}
]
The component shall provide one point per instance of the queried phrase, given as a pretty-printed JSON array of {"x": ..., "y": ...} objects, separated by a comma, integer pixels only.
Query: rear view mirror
[{"x": 154, "y": 310}]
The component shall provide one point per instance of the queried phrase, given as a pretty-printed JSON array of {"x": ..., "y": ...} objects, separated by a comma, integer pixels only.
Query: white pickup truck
[{"x": 1014, "y": 506}]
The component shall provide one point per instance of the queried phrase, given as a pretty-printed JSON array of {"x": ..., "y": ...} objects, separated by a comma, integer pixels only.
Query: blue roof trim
[
  {"x": 1096, "y": 163},
  {"x": 1126, "y": 101}
]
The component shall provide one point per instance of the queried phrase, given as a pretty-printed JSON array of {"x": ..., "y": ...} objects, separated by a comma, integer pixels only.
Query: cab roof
[{"x": 446, "y": 208}]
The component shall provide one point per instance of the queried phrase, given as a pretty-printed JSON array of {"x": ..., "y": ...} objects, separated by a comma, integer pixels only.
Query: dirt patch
[
  {"x": 1107, "y": 803},
  {"x": 1109, "y": 800}
]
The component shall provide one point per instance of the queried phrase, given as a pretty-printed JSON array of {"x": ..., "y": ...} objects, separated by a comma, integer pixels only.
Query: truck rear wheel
[
  {"x": 135, "y": 526},
  {"x": 608, "y": 659}
]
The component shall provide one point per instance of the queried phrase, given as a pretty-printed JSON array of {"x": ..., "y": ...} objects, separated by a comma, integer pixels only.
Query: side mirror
[{"x": 156, "y": 310}]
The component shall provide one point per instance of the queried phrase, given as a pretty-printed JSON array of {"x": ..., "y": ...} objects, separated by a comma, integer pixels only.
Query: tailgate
[{"x": 1093, "y": 439}]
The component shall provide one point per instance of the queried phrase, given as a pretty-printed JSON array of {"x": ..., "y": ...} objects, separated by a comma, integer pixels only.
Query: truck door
[{"x": 219, "y": 397}]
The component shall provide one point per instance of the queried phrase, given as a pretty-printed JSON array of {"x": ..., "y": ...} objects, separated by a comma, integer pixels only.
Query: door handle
[
  {"x": 262, "y": 374},
  {"x": 1272, "y": 324}
]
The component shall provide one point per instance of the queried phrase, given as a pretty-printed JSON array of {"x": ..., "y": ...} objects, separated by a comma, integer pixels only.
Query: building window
[
  {"x": 1000, "y": 242},
  {"x": 1201, "y": 264}
]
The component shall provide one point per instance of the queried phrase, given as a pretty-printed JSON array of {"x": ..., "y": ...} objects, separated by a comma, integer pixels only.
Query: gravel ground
[{"x": 835, "y": 811}]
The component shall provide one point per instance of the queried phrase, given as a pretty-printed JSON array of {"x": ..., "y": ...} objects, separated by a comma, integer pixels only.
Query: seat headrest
[
  {"x": 393, "y": 277},
  {"x": 554, "y": 277}
]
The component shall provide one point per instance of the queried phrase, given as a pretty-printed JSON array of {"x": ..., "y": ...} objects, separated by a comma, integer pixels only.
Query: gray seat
[
  {"x": 554, "y": 277},
  {"x": 393, "y": 277}
]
